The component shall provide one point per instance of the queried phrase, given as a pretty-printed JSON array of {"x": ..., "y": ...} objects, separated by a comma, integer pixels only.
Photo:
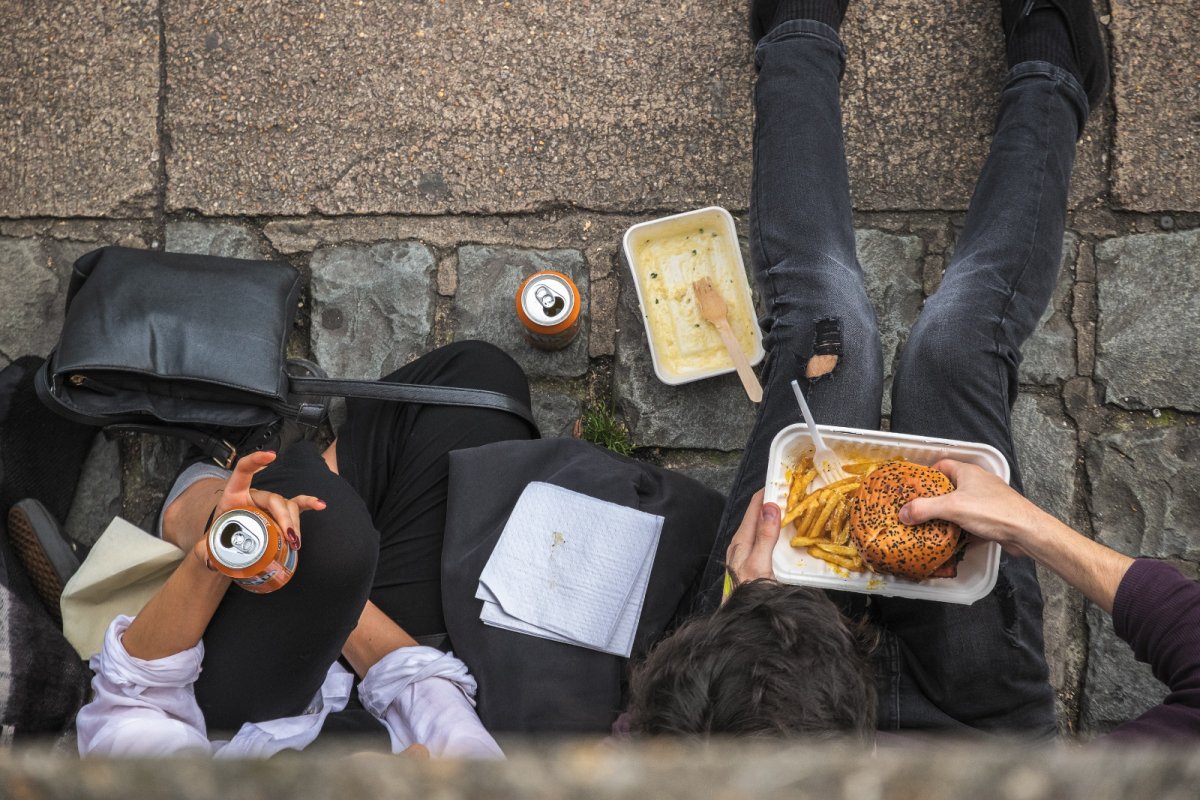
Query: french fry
[
  {"x": 822, "y": 516},
  {"x": 826, "y": 511},
  {"x": 843, "y": 534},
  {"x": 835, "y": 521},
  {"x": 853, "y": 564},
  {"x": 845, "y": 485},
  {"x": 838, "y": 549},
  {"x": 806, "y": 526},
  {"x": 812, "y": 501},
  {"x": 800, "y": 483}
]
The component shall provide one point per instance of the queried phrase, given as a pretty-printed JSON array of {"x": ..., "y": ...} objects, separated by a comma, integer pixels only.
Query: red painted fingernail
[{"x": 293, "y": 538}]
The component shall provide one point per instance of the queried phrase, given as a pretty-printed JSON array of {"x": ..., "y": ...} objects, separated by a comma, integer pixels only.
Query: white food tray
[
  {"x": 976, "y": 572},
  {"x": 706, "y": 357}
]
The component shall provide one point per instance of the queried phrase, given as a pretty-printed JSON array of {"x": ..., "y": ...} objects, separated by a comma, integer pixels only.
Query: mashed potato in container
[{"x": 667, "y": 256}]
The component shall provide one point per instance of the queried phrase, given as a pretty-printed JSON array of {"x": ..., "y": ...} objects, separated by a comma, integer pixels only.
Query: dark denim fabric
[{"x": 940, "y": 666}]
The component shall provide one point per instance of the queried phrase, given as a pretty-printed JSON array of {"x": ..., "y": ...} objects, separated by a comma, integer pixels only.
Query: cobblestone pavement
[{"x": 416, "y": 159}]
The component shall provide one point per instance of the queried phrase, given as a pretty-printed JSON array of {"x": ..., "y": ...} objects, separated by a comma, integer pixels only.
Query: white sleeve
[
  {"x": 141, "y": 708},
  {"x": 425, "y": 696}
]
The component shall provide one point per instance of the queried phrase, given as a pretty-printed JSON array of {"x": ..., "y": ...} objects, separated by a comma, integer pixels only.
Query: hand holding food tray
[{"x": 818, "y": 522}]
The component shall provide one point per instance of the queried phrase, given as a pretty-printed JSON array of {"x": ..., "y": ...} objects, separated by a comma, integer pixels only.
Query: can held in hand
[
  {"x": 548, "y": 306},
  {"x": 249, "y": 546}
]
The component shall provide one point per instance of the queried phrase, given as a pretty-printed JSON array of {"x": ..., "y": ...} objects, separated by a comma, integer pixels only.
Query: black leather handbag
[{"x": 195, "y": 347}]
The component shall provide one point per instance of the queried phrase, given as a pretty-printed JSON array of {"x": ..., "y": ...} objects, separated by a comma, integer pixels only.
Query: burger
[{"x": 929, "y": 550}]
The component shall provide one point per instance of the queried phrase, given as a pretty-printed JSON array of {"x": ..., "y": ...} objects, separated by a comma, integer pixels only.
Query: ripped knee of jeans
[{"x": 827, "y": 348}]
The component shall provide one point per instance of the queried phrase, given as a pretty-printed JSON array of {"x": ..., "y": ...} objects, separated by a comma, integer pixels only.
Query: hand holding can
[
  {"x": 250, "y": 547},
  {"x": 254, "y": 536}
]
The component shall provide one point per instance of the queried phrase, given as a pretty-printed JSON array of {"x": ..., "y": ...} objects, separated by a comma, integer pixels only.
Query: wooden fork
[{"x": 712, "y": 309}]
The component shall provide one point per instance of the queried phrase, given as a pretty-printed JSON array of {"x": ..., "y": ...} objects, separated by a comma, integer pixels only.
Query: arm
[
  {"x": 990, "y": 509},
  {"x": 1155, "y": 609},
  {"x": 422, "y": 695},
  {"x": 139, "y": 707},
  {"x": 177, "y": 616}
]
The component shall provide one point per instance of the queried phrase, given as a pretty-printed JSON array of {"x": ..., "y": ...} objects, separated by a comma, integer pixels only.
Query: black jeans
[
  {"x": 939, "y": 666},
  {"x": 380, "y": 537}
]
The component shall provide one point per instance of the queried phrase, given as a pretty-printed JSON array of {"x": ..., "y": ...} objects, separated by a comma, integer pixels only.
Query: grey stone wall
[{"x": 655, "y": 769}]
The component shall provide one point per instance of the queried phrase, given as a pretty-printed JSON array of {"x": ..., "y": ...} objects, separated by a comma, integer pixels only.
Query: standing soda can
[
  {"x": 548, "y": 306},
  {"x": 249, "y": 546}
]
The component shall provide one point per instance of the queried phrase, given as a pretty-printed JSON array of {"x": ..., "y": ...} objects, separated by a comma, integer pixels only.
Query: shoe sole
[{"x": 42, "y": 574}]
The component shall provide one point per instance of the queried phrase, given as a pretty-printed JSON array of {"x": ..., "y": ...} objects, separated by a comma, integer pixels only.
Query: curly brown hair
[{"x": 773, "y": 660}]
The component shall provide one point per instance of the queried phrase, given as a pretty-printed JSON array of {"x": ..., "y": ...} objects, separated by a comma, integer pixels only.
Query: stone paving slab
[
  {"x": 36, "y": 271},
  {"x": 597, "y": 236},
  {"x": 1046, "y": 451},
  {"x": 227, "y": 239},
  {"x": 455, "y": 107},
  {"x": 78, "y": 111},
  {"x": 1156, "y": 85},
  {"x": 484, "y": 306},
  {"x": 372, "y": 307},
  {"x": 1145, "y": 487},
  {"x": 1049, "y": 355},
  {"x": 555, "y": 410},
  {"x": 1119, "y": 687},
  {"x": 711, "y": 414},
  {"x": 892, "y": 269},
  {"x": 1148, "y": 323}
]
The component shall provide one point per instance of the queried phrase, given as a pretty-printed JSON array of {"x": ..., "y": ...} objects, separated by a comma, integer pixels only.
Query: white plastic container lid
[{"x": 978, "y": 570}]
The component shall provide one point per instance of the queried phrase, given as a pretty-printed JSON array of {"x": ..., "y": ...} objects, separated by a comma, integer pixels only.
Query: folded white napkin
[{"x": 571, "y": 568}]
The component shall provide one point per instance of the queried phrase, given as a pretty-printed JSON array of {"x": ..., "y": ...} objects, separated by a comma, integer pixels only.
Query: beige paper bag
[{"x": 122, "y": 572}]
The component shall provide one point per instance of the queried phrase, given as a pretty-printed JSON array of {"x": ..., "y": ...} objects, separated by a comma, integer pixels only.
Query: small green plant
[{"x": 601, "y": 426}]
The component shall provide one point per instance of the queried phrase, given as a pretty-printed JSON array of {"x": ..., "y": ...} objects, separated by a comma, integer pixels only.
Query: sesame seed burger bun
[{"x": 886, "y": 543}]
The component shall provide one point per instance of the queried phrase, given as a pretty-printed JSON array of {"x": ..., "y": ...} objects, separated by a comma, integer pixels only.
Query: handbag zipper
[{"x": 84, "y": 382}]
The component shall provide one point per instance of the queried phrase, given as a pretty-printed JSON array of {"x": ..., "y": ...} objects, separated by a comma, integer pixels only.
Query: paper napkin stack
[{"x": 571, "y": 568}]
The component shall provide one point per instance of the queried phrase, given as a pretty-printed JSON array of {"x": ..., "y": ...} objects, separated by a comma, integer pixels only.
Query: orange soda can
[
  {"x": 248, "y": 546},
  {"x": 548, "y": 307}
]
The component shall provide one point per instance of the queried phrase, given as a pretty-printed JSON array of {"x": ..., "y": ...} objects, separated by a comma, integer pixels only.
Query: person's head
[{"x": 773, "y": 660}]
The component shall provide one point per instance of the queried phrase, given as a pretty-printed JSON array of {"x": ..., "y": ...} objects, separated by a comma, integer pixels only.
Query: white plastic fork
[{"x": 829, "y": 466}]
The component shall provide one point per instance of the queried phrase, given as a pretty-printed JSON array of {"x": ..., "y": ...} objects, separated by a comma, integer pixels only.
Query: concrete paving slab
[
  {"x": 78, "y": 108},
  {"x": 920, "y": 95},
  {"x": 1156, "y": 86},
  {"x": 455, "y": 106}
]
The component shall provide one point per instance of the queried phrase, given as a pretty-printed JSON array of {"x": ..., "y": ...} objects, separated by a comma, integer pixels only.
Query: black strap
[
  {"x": 219, "y": 450},
  {"x": 411, "y": 393}
]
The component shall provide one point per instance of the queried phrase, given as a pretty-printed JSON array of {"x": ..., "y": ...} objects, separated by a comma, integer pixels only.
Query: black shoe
[
  {"x": 1087, "y": 46},
  {"x": 764, "y": 12},
  {"x": 50, "y": 558}
]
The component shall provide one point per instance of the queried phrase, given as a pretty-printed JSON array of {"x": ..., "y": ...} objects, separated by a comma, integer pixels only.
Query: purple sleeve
[{"x": 1157, "y": 612}]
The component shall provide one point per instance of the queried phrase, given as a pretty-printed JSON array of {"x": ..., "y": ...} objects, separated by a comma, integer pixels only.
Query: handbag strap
[
  {"x": 225, "y": 454},
  {"x": 411, "y": 393}
]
